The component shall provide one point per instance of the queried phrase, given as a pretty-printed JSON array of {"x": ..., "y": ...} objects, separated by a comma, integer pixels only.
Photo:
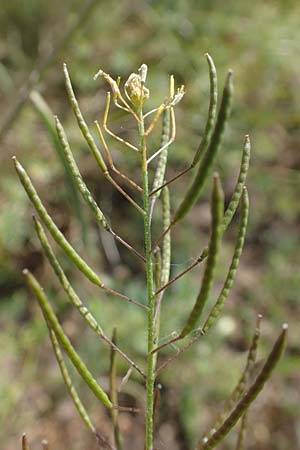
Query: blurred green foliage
[{"x": 260, "y": 42}]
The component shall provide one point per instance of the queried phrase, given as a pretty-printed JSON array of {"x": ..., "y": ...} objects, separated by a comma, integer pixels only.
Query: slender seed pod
[
  {"x": 166, "y": 247},
  {"x": 53, "y": 229},
  {"x": 162, "y": 161},
  {"x": 212, "y": 111},
  {"x": 68, "y": 381},
  {"x": 82, "y": 124},
  {"x": 217, "y": 211},
  {"x": 242, "y": 433},
  {"x": 51, "y": 318},
  {"x": 157, "y": 268},
  {"x": 216, "y": 310},
  {"x": 114, "y": 393},
  {"x": 46, "y": 116},
  {"x": 64, "y": 282},
  {"x": 233, "y": 204},
  {"x": 243, "y": 382},
  {"x": 250, "y": 395},
  {"x": 206, "y": 163},
  {"x": 81, "y": 186},
  {"x": 25, "y": 444}
]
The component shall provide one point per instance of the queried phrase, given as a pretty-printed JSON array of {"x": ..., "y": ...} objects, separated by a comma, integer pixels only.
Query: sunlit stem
[
  {"x": 118, "y": 138},
  {"x": 110, "y": 160},
  {"x": 172, "y": 138}
]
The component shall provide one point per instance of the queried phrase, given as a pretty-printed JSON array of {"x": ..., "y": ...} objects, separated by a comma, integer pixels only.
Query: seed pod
[
  {"x": 194, "y": 191},
  {"x": 250, "y": 395},
  {"x": 81, "y": 186},
  {"x": 68, "y": 381},
  {"x": 166, "y": 247},
  {"x": 82, "y": 124},
  {"x": 64, "y": 282},
  {"x": 212, "y": 111},
  {"x": 216, "y": 310},
  {"x": 51, "y": 318},
  {"x": 55, "y": 232},
  {"x": 233, "y": 204},
  {"x": 217, "y": 210},
  {"x": 162, "y": 161}
]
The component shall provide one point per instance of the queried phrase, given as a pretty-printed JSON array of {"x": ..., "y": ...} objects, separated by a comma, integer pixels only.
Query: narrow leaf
[
  {"x": 194, "y": 191},
  {"x": 216, "y": 310},
  {"x": 80, "y": 184},
  {"x": 51, "y": 318},
  {"x": 212, "y": 111},
  {"x": 68, "y": 381},
  {"x": 53, "y": 229},
  {"x": 250, "y": 395},
  {"x": 217, "y": 210}
]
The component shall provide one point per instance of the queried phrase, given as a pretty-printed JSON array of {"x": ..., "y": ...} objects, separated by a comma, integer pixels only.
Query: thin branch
[
  {"x": 104, "y": 124},
  {"x": 110, "y": 160}
]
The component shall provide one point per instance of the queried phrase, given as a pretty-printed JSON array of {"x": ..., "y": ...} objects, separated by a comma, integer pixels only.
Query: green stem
[{"x": 150, "y": 290}]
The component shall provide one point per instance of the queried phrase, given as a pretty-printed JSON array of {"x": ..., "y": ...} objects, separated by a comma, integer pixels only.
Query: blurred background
[{"x": 261, "y": 43}]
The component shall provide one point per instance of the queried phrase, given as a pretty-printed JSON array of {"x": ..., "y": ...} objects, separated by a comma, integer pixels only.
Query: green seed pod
[
  {"x": 212, "y": 111},
  {"x": 81, "y": 186},
  {"x": 217, "y": 211},
  {"x": 162, "y": 161},
  {"x": 194, "y": 191},
  {"x": 233, "y": 204},
  {"x": 68, "y": 381},
  {"x": 250, "y": 395},
  {"x": 216, "y": 310},
  {"x": 55, "y": 232},
  {"x": 82, "y": 124},
  {"x": 166, "y": 247},
  {"x": 51, "y": 318},
  {"x": 64, "y": 282}
]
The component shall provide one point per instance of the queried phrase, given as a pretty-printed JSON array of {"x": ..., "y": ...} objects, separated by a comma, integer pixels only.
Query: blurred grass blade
[
  {"x": 194, "y": 191},
  {"x": 51, "y": 318},
  {"x": 67, "y": 379},
  {"x": 212, "y": 111},
  {"x": 233, "y": 204},
  {"x": 64, "y": 282},
  {"x": 163, "y": 157},
  {"x": 53, "y": 229},
  {"x": 217, "y": 211},
  {"x": 251, "y": 394},
  {"x": 46, "y": 115},
  {"x": 216, "y": 310},
  {"x": 114, "y": 393},
  {"x": 43, "y": 64},
  {"x": 76, "y": 175}
]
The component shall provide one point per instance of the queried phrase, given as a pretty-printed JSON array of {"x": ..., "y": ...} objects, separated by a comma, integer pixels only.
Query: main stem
[{"x": 150, "y": 290}]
